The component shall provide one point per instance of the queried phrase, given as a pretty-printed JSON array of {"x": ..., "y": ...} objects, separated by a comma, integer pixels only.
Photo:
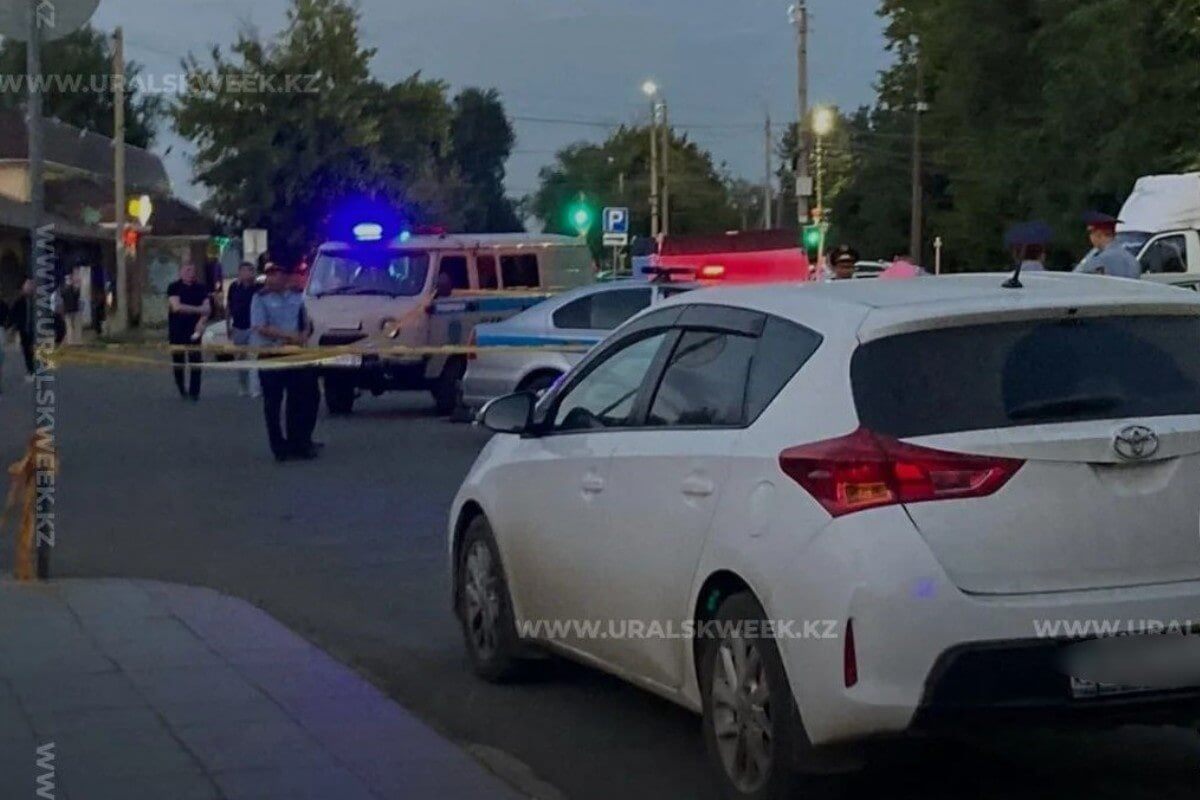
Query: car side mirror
[{"x": 512, "y": 413}]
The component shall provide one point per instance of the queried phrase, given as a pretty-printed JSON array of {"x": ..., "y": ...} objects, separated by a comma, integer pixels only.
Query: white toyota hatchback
[{"x": 822, "y": 514}]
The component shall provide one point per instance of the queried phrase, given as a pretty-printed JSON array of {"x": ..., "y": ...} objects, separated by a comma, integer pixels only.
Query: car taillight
[
  {"x": 473, "y": 343},
  {"x": 711, "y": 272},
  {"x": 867, "y": 470}
]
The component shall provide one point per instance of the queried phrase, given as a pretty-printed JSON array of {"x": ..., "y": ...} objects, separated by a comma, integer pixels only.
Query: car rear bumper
[{"x": 915, "y": 633}]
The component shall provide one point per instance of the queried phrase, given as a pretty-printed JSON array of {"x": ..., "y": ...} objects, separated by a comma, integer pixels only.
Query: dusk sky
[{"x": 720, "y": 62}]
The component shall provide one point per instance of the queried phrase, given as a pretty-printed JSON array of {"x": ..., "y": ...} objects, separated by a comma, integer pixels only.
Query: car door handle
[
  {"x": 593, "y": 484},
  {"x": 697, "y": 486}
]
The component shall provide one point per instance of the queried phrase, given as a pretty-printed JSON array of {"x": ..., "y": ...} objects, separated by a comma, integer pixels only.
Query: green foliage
[
  {"x": 284, "y": 160},
  {"x": 616, "y": 172},
  {"x": 481, "y": 140},
  {"x": 1037, "y": 109},
  {"x": 77, "y": 86}
]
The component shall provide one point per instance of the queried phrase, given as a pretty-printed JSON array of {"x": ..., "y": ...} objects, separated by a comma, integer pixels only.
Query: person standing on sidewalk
[
  {"x": 277, "y": 319},
  {"x": 237, "y": 322},
  {"x": 72, "y": 306},
  {"x": 189, "y": 311},
  {"x": 20, "y": 317}
]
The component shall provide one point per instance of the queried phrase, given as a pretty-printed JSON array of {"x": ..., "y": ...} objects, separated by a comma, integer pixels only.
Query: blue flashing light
[
  {"x": 405, "y": 235},
  {"x": 368, "y": 232}
]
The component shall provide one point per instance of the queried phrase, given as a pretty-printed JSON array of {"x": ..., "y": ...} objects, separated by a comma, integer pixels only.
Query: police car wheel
[
  {"x": 540, "y": 382},
  {"x": 339, "y": 395},
  {"x": 484, "y": 606}
]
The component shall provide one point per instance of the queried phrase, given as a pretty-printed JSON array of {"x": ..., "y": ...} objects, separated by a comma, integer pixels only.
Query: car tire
[
  {"x": 752, "y": 728},
  {"x": 539, "y": 382},
  {"x": 484, "y": 607},
  {"x": 340, "y": 394}
]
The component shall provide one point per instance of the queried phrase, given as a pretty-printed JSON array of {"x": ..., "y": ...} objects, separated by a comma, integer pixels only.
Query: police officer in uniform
[
  {"x": 277, "y": 319},
  {"x": 1108, "y": 257},
  {"x": 844, "y": 259}
]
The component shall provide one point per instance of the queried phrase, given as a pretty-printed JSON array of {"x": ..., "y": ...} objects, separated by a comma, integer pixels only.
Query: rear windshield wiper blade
[{"x": 1065, "y": 406}]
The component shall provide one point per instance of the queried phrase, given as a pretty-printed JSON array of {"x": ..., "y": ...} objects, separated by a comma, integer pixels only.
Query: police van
[{"x": 425, "y": 291}]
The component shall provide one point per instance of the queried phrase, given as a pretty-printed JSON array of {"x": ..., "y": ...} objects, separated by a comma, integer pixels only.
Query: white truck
[{"x": 1160, "y": 226}]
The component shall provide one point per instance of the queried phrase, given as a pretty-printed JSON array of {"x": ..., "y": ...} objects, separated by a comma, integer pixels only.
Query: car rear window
[{"x": 1028, "y": 373}]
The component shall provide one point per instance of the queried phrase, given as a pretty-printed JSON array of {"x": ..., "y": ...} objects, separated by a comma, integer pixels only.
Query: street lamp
[
  {"x": 657, "y": 105},
  {"x": 823, "y": 121}
]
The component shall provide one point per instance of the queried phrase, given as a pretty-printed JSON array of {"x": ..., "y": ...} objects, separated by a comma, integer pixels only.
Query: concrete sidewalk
[{"x": 137, "y": 689}]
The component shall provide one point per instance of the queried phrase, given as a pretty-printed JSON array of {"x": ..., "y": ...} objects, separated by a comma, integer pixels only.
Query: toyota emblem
[{"x": 1136, "y": 443}]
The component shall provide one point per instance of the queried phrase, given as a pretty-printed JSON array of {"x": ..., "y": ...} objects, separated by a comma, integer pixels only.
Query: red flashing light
[
  {"x": 866, "y": 470},
  {"x": 711, "y": 272}
]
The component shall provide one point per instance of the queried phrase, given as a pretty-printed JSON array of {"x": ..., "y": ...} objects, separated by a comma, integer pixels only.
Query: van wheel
[
  {"x": 539, "y": 383},
  {"x": 448, "y": 386},
  {"x": 340, "y": 394},
  {"x": 752, "y": 728},
  {"x": 484, "y": 606}
]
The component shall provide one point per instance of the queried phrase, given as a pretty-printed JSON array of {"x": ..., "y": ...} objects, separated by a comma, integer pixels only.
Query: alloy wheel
[{"x": 741, "y": 719}]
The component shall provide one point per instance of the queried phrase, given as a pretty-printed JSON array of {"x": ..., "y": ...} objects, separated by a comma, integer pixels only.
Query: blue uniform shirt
[
  {"x": 1113, "y": 260},
  {"x": 283, "y": 310}
]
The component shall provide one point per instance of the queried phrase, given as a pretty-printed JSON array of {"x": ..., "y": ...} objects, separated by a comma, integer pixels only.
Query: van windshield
[{"x": 388, "y": 273}]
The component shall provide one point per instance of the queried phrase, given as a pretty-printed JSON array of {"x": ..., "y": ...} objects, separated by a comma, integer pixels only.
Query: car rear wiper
[{"x": 1064, "y": 406}]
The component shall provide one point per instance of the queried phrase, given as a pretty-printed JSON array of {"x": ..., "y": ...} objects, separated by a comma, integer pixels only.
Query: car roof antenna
[{"x": 1015, "y": 281}]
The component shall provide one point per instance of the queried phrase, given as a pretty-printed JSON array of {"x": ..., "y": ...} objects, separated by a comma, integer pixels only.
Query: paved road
[{"x": 348, "y": 551}]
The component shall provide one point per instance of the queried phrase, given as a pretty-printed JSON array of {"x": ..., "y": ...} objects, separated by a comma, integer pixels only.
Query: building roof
[{"x": 86, "y": 151}]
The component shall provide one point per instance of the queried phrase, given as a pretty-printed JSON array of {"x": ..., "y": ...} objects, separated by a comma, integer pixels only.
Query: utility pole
[
  {"x": 37, "y": 186},
  {"x": 654, "y": 169},
  {"x": 798, "y": 14},
  {"x": 768, "y": 194},
  {"x": 914, "y": 242},
  {"x": 666, "y": 170},
  {"x": 121, "y": 318}
]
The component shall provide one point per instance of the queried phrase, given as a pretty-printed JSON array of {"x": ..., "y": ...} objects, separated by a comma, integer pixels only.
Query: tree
[
  {"x": 616, "y": 172},
  {"x": 286, "y": 154},
  {"x": 481, "y": 139},
  {"x": 77, "y": 89},
  {"x": 1037, "y": 109}
]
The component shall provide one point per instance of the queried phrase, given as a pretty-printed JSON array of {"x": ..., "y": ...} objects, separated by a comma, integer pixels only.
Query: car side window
[
  {"x": 519, "y": 271},
  {"x": 575, "y": 315},
  {"x": 611, "y": 309},
  {"x": 456, "y": 268},
  {"x": 1166, "y": 255},
  {"x": 605, "y": 396},
  {"x": 486, "y": 267},
  {"x": 705, "y": 381},
  {"x": 783, "y": 349}
]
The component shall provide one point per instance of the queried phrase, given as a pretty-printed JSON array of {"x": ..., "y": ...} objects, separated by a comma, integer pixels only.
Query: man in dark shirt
[
  {"x": 237, "y": 321},
  {"x": 189, "y": 311},
  {"x": 20, "y": 319}
]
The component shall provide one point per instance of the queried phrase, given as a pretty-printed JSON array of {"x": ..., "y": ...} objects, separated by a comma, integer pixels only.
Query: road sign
[
  {"x": 616, "y": 239},
  {"x": 616, "y": 221},
  {"x": 56, "y": 18}
]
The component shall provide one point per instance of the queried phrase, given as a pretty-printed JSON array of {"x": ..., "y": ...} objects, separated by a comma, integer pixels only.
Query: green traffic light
[
  {"x": 581, "y": 218},
  {"x": 812, "y": 237}
]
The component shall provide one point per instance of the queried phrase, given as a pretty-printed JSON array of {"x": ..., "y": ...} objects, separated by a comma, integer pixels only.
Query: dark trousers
[
  {"x": 27, "y": 349},
  {"x": 300, "y": 415},
  {"x": 189, "y": 358}
]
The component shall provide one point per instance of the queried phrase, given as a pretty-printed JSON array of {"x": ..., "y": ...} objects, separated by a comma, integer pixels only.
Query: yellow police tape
[{"x": 271, "y": 358}]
